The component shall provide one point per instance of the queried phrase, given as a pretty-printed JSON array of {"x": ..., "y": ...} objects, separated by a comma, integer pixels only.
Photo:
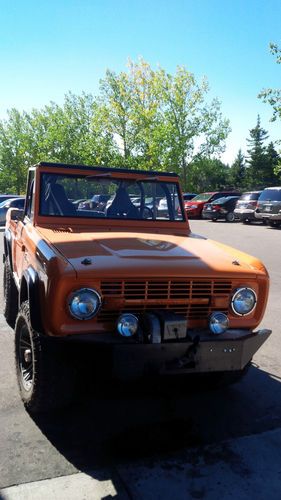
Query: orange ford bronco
[{"x": 122, "y": 275}]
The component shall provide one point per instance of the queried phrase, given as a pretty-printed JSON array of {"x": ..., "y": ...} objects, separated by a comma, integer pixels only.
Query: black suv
[
  {"x": 223, "y": 208},
  {"x": 269, "y": 206}
]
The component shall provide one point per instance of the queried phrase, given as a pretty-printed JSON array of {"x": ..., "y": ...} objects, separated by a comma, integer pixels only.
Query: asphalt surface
[{"x": 138, "y": 438}]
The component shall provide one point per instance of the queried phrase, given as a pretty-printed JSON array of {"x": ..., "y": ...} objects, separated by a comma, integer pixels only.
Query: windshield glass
[
  {"x": 100, "y": 195},
  {"x": 220, "y": 200},
  {"x": 249, "y": 196},
  {"x": 202, "y": 197},
  {"x": 270, "y": 195}
]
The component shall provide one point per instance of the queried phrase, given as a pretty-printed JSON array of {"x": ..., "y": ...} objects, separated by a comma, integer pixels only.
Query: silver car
[{"x": 246, "y": 206}]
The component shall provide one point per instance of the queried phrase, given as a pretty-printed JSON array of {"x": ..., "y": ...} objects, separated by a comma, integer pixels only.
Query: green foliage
[
  {"x": 262, "y": 159},
  {"x": 273, "y": 96},
  {"x": 15, "y": 142},
  {"x": 207, "y": 174},
  {"x": 142, "y": 118},
  {"x": 238, "y": 174}
]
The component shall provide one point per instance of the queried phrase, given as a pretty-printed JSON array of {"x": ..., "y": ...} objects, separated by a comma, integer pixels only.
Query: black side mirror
[{"x": 17, "y": 214}]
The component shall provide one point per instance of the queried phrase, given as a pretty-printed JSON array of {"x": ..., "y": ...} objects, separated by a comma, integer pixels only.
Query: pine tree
[
  {"x": 257, "y": 159},
  {"x": 271, "y": 176},
  {"x": 238, "y": 171}
]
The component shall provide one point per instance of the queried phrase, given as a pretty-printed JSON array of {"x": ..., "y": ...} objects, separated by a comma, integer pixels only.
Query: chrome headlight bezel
[
  {"x": 234, "y": 298},
  {"x": 91, "y": 293}
]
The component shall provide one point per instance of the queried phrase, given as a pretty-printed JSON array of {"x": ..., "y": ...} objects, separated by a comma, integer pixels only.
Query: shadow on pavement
[{"x": 121, "y": 423}]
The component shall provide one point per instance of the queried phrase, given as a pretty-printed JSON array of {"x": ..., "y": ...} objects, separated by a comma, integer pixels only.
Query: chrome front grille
[{"x": 190, "y": 298}]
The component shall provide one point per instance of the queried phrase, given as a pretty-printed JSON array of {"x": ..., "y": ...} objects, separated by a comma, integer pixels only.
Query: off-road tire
[
  {"x": 46, "y": 377},
  {"x": 10, "y": 307}
]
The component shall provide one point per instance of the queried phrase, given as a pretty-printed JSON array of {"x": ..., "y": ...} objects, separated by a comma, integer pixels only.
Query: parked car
[
  {"x": 163, "y": 208},
  {"x": 269, "y": 206},
  {"x": 124, "y": 292},
  {"x": 194, "y": 207},
  {"x": 222, "y": 208},
  {"x": 98, "y": 202},
  {"x": 246, "y": 206},
  {"x": 188, "y": 196},
  {"x": 9, "y": 203},
  {"x": 4, "y": 197}
]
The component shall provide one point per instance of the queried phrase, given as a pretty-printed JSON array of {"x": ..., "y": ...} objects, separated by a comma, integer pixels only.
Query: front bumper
[
  {"x": 193, "y": 212},
  {"x": 231, "y": 352},
  {"x": 201, "y": 353}
]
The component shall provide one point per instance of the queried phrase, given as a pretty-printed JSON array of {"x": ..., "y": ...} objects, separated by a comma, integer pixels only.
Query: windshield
[
  {"x": 202, "y": 197},
  {"x": 220, "y": 200},
  {"x": 249, "y": 196},
  {"x": 105, "y": 196},
  {"x": 270, "y": 195}
]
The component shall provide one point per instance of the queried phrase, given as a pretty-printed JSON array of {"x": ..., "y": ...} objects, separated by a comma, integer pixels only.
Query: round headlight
[
  {"x": 218, "y": 323},
  {"x": 84, "y": 303},
  {"x": 127, "y": 325},
  {"x": 243, "y": 301}
]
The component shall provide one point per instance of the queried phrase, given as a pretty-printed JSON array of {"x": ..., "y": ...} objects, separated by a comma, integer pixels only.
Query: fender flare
[{"x": 31, "y": 279}]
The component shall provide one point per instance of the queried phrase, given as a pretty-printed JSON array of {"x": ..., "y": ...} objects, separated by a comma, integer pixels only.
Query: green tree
[
  {"x": 273, "y": 96},
  {"x": 72, "y": 133},
  {"x": 162, "y": 120},
  {"x": 257, "y": 155},
  {"x": 207, "y": 174},
  {"x": 143, "y": 118},
  {"x": 272, "y": 165},
  {"x": 238, "y": 171},
  {"x": 193, "y": 128},
  {"x": 14, "y": 152}
]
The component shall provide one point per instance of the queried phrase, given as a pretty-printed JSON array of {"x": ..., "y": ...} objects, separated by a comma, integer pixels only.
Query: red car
[{"x": 194, "y": 207}]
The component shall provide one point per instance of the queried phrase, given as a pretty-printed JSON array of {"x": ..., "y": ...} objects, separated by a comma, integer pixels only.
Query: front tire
[
  {"x": 44, "y": 381},
  {"x": 10, "y": 295}
]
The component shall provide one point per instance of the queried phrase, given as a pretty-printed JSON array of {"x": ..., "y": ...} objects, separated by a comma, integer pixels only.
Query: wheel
[
  {"x": 230, "y": 217},
  {"x": 214, "y": 219},
  {"x": 10, "y": 295},
  {"x": 44, "y": 381},
  {"x": 246, "y": 221},
  {"x": 274, "y": 223}
]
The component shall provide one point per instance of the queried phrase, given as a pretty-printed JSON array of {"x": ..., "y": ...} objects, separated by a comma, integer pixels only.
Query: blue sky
[{"x": 50, "y": 47}]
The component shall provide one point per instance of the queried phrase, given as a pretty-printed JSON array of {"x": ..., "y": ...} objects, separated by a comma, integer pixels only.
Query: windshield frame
[{"x": 141, "y": 181}]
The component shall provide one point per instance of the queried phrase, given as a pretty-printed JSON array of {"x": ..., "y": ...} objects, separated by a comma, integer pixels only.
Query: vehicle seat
[
  {"x": 122, "y": 206},
  {"x": 59, "y": 202}
]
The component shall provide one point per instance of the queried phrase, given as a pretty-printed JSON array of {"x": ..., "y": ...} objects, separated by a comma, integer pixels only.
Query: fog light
[
  {"x": 127, "y": 325},
  {"x": 218, "y": 323}
]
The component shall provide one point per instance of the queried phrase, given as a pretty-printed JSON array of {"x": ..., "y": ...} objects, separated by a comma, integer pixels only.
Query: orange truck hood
[{"x": 108, "y": 254}]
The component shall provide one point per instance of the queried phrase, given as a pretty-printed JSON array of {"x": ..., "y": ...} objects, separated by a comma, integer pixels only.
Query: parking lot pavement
[
  {"x": 248, "y": 467},
  {"x": 237, "y": 454}
]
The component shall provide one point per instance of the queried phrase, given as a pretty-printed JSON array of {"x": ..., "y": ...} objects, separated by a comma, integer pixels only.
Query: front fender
[{"x": 29, "y": 290}]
